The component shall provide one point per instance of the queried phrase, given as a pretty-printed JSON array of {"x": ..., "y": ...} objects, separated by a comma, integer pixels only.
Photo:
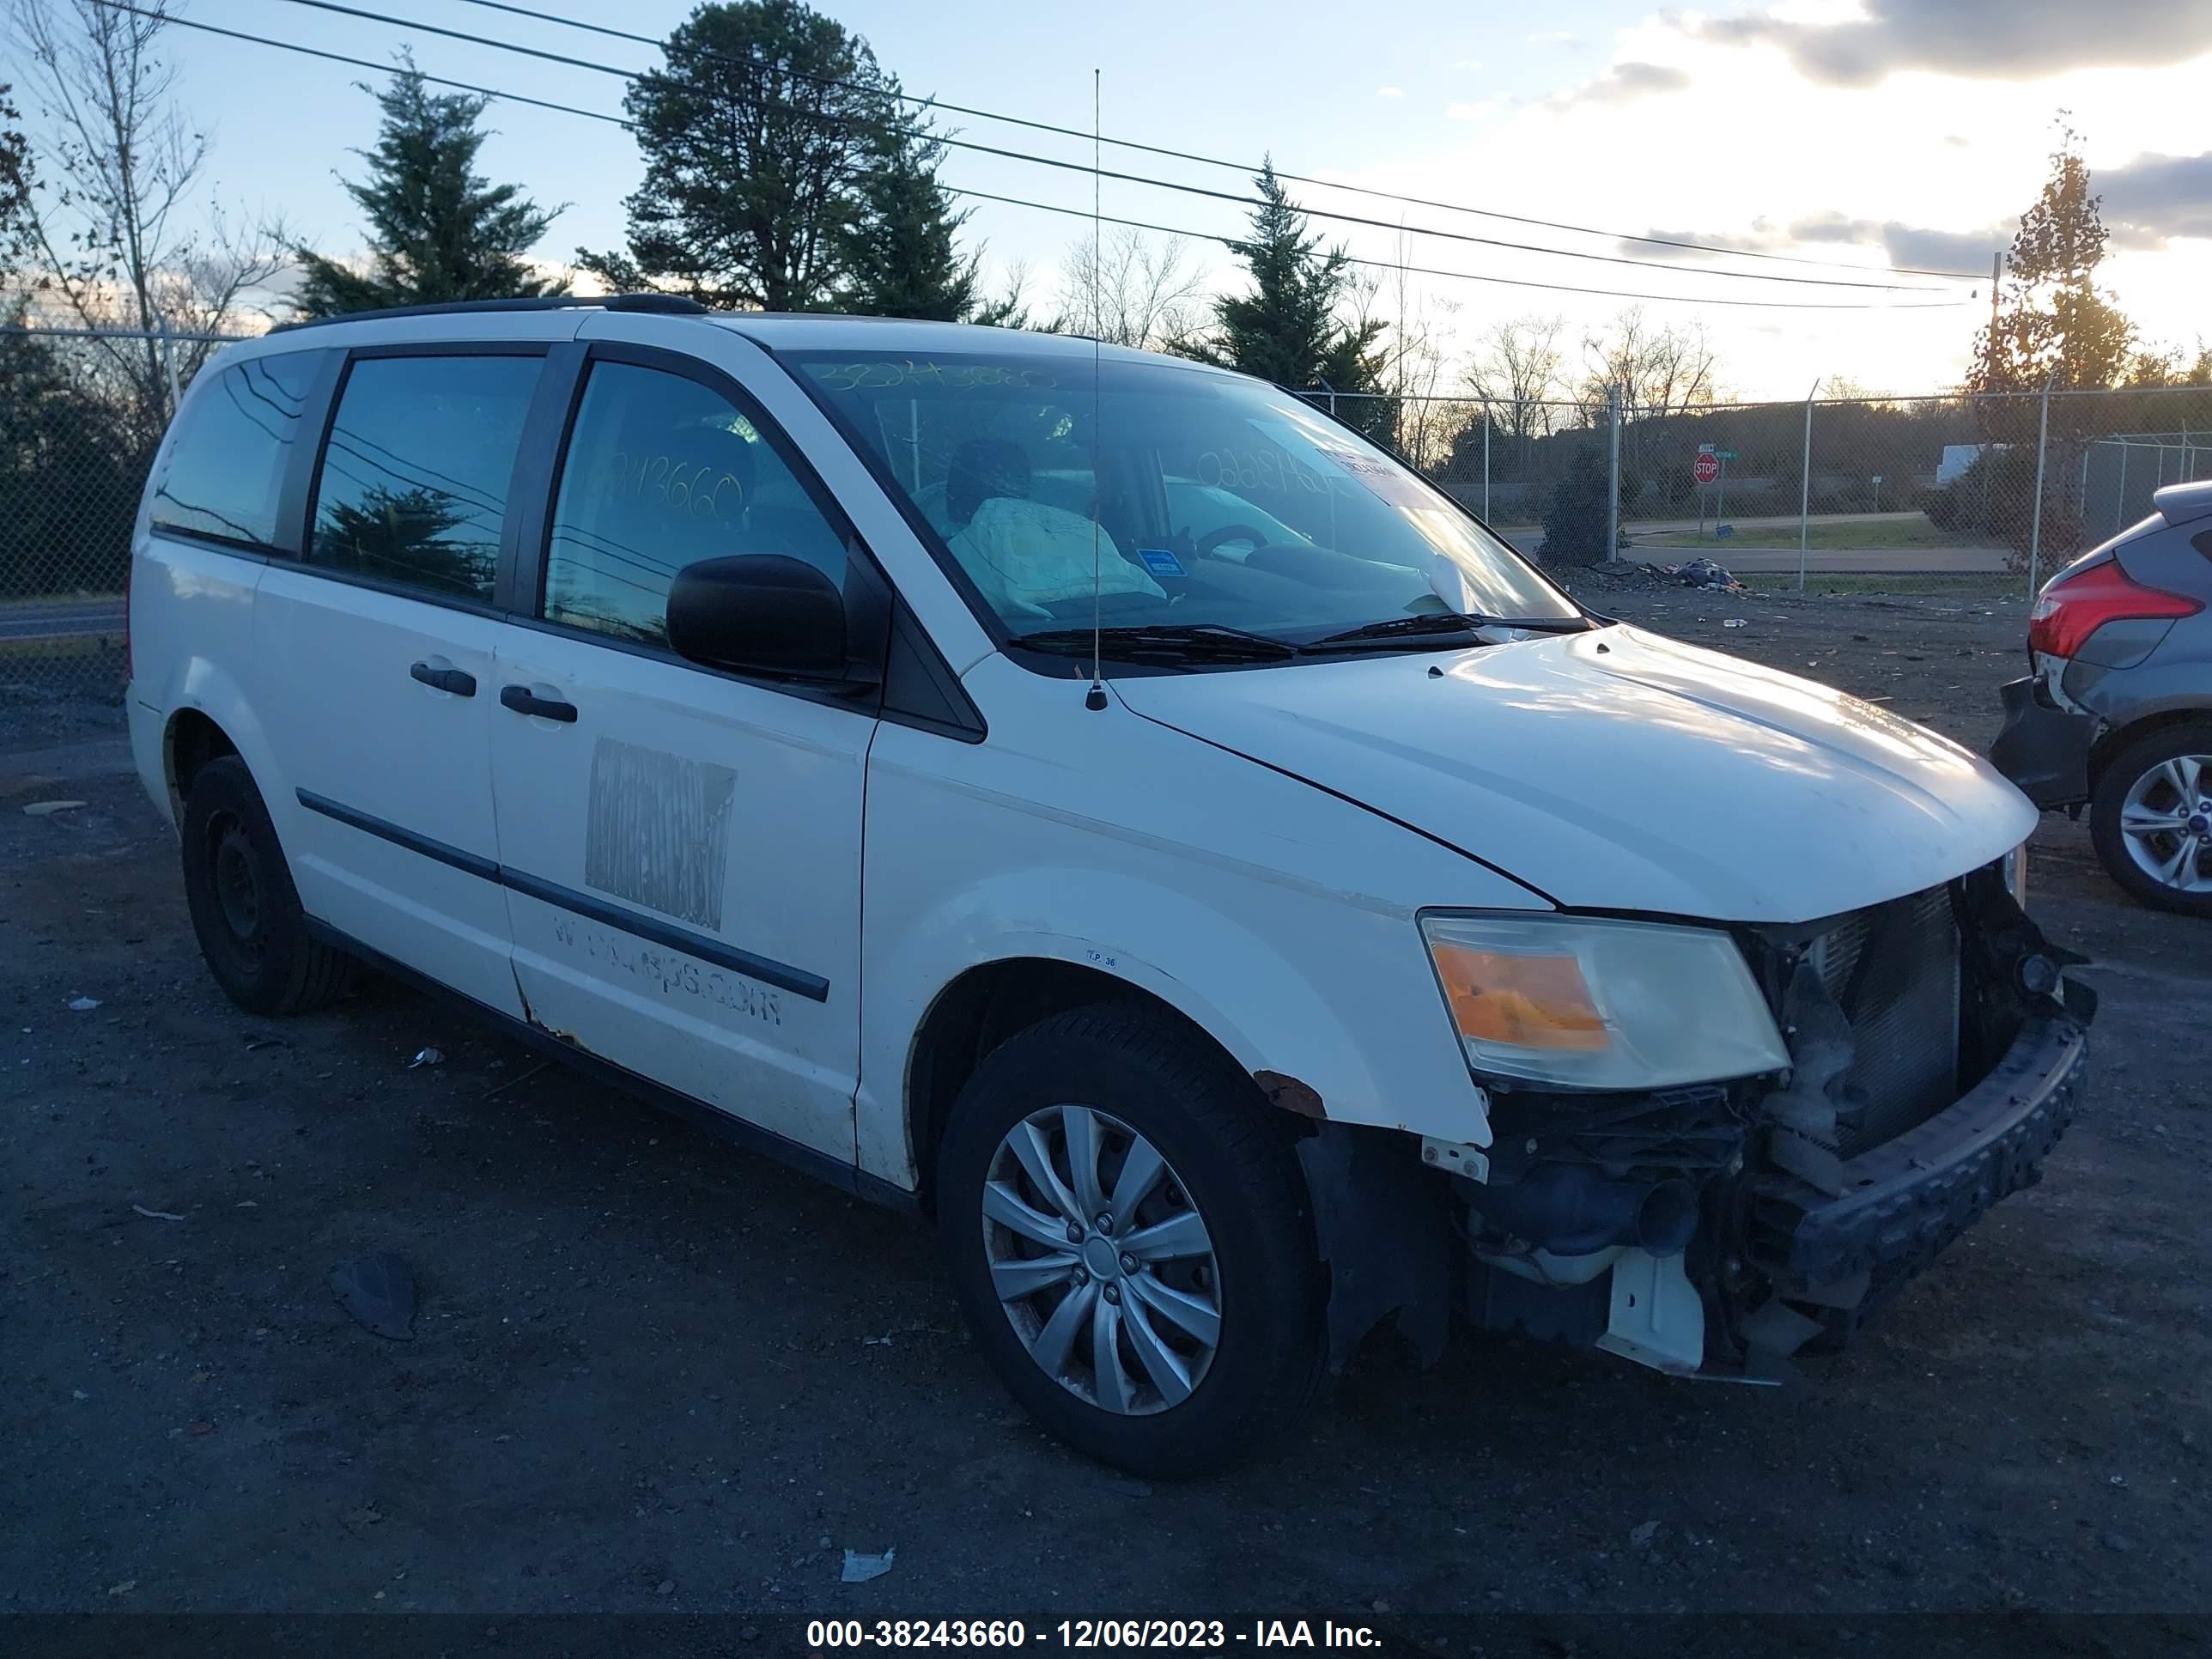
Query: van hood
[{"x": 1619, "y": 771}]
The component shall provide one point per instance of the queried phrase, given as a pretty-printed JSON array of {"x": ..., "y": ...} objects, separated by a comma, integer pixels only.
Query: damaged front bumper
[{"x": 1909, "y": 1197}]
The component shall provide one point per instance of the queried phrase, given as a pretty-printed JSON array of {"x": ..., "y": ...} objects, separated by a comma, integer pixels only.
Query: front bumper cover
[{"x": 1913, "y": 1195}]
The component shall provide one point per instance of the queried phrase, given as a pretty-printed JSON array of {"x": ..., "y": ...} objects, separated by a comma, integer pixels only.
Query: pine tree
[
  {"x": 1288, "y": 330},
  {"x": 437, "y": 229},
  {"x": 756, "y": 134},
  {"x": 900, "y": 258}
]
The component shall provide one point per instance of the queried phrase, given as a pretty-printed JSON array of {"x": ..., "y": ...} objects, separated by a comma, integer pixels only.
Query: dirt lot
[{"x": 653, "y": 1374}]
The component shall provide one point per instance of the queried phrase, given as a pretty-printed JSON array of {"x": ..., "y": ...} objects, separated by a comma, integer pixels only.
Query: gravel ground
[{"x": 652, "y": 1374}]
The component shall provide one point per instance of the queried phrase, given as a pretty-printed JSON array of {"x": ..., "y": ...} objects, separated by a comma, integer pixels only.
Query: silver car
[{"x": 2117, "y": 714}]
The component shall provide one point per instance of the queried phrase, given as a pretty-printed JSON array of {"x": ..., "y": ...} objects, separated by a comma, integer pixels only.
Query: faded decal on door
[{"x": 657, "y": 831}]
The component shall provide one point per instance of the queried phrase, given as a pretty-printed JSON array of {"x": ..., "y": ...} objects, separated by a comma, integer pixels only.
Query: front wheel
[
  {"x": 1128, "y": 1234},
  {"x": 2151, "y": 818}
]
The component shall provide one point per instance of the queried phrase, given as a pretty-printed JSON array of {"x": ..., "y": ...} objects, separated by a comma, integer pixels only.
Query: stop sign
[{"x": 1708, "y": 467}]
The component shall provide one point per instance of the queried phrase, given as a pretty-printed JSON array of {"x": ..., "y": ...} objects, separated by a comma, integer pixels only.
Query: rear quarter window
[{"x": 225, "y": 469}]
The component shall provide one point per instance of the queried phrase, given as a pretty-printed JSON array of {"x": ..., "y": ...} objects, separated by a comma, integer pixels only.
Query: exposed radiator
[{"x": 1894, "y": 970}]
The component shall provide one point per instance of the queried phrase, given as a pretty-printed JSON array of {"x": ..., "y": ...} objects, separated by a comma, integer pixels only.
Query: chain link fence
[
  {"x": 1998, "y": 490},
  {"x": 81, "y": 412},
  {"x": 1996, "y": 486}
]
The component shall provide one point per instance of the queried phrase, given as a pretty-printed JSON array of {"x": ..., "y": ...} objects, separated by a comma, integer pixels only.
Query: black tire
[
  {"x": 2120, "y": 776},
  {"x": 243, "y": 906},
  {"x": 1230, "y": 1157}
]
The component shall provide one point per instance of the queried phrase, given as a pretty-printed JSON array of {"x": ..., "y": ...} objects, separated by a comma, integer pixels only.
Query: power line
[
  {"x": 1474, "y": 276},
  {"x": 1015, "y": 201},
  {"x": 1144, "y": 180},
  {"x": 1217, "y": 162}
]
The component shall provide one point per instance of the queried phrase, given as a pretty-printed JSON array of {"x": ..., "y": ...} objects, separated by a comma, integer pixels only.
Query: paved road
[
  {"x": 1828, "y": 561},
  {"x": 63, "y": 619},
  {"x": 1832, "y": 560}
]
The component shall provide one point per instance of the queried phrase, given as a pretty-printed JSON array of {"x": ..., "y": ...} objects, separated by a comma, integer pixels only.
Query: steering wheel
[{"x": 1229, "y": 532}]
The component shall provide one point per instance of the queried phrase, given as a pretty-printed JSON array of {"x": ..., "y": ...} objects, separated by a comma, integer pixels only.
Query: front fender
[{"x": 1346, "y": 1026}]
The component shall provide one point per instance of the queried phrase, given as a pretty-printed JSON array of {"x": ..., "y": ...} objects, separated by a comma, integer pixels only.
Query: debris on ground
[
  {"x": 1735, "y": 622},
  {"x": 156, "y": 1215},
  {"x": 427, "y": 1057},
  {"x": 1640, "y": 1536},
  {"x": 42, "y": 809},
  {"x": 379, "y": 1291},
  {"x": 84, "y": 1004},
  {"x": 859, "y": 1568},
  {"x": 1701, "y": 573}
]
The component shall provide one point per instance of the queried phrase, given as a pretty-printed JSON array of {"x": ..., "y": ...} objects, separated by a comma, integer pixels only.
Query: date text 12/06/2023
[{"x": 1199, "y": 1635}]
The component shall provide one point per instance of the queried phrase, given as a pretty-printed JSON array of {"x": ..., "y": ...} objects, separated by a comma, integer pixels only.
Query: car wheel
[
  {"x": 243, "y": 906},
  {"x": 2151, "y": 818},
  {"x": 1129, "y": 1235}
]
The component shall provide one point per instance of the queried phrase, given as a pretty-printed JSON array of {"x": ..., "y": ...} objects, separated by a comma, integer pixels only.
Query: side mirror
[{"x": 759, "y": 613}]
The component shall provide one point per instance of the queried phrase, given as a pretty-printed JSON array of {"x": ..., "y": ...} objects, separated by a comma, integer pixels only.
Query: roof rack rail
[{"x": 673, "y": 305}]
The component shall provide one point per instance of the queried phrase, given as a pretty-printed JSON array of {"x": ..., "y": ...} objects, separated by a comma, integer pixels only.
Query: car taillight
[{"x": 2068, "y": 613}]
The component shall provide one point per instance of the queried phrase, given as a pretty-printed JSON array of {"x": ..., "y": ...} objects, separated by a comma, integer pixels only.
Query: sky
[{"x": 1868, "y": 132}]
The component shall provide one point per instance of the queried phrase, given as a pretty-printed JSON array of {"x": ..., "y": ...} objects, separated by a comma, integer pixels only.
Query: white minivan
[{"x": 1100, "y": 802}]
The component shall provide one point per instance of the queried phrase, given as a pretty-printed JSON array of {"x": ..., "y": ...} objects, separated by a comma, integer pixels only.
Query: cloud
[
  {"x": 1467, "y": 63},
  {"x": 1389, "y": 92},
  {"x": 1626, "y": 83},
  {"x": 1656, "y": 249},
  {"x": 1556, "y": 38},
  {"x": 1477, "y": 112},
  {"x": 1915, "y": 245},
  {"x": 2154, "y": 197},
  {"x": 1982, "y": 39}
]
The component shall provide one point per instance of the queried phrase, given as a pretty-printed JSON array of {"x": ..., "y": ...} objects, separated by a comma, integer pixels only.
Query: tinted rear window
[
  {"x": 413, "y": 486},
  {"x": 226, "y": 468}
]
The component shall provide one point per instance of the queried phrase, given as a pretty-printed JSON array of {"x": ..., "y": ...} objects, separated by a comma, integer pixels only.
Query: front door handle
[
  {"x": 523, "y": 701},
  {"x": 454, "y": 680}
]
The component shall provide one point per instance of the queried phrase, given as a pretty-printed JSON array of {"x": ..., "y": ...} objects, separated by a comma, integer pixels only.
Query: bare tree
[
  {"x": 1130, "y": 290},
  {"x": 1661, "y": 370},
  {"x": 1518, "y": 371},
  {"x": 121, "y": 168},
  {"x": 1415, "y": 360}
]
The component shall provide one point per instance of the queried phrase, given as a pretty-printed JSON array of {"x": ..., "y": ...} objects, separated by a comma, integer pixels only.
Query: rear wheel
[
  {"x": 2151, "y": 818},
  {"x": 244, "y": 908},
  {"x": 1128, "y": 1234}
]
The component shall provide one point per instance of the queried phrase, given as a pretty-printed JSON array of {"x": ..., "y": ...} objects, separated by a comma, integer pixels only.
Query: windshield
[{"x": 1211, "y": 502}]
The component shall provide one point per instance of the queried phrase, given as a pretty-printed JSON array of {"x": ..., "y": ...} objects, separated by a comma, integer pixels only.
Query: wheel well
[
  {"x": 981, "y": 1010},
  {"x": 194, "y": 740},
  {"x": 2101, "y": 752}
]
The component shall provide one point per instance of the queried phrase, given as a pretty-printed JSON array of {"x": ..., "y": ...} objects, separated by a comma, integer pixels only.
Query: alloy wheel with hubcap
[
  {"x": 1100, "y": 1260},
  {"x": 1128, "y": 1229},
  {"x": 2150, "y": 816},
  {"x": 2167, "y": 818}
]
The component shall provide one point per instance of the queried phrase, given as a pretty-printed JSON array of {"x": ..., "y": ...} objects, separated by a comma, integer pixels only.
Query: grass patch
[{"x": 1822, "y": 535}]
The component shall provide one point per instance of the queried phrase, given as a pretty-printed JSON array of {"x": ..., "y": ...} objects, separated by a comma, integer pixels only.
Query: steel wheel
[
  {"x": 237, "y": 887},
  {"x": 1101, "y": 1262},
  {"x": 2166, "y": 823}
]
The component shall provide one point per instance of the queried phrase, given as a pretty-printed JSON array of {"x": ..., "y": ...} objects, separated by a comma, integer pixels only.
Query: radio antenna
[{"x": 1095, "y": 699}]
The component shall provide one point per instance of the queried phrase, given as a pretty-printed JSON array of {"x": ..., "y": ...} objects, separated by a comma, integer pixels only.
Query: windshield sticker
[
  {"x": 884, "y": 375},
  {"x": 1160, "y": 562}
]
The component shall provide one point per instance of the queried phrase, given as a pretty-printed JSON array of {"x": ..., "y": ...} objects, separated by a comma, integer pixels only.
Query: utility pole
[
  {"x": 1996, "y": 275},
  {"x": 1613, "y": 477}
]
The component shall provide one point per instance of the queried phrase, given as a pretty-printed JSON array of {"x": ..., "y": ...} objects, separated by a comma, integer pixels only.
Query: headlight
[{"x": 1601, "y": 1004}]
